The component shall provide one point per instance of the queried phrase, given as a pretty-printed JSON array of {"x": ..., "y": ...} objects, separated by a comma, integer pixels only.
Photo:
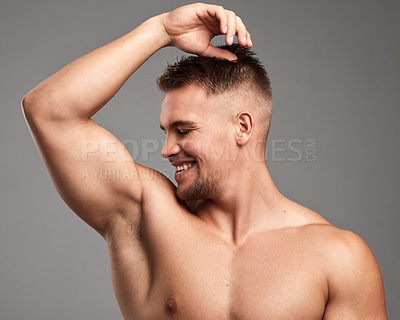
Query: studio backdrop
[{"x": 333, "y": 145}]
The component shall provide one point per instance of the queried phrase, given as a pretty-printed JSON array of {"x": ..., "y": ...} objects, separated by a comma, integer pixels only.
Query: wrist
[{"x": 156, "y": 24}]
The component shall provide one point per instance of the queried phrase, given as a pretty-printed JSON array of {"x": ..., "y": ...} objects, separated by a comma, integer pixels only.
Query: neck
[{"x": 247, "y": 202}]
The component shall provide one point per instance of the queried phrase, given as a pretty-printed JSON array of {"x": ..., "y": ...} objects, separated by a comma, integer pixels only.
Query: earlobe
[{"x": 239, "y": 139}]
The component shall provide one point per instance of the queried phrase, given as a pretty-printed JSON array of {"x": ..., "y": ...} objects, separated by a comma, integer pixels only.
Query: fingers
[
  {"x": 230, "y": 25},
  {"x": 219, "y": 53},
  {"x": 237, "y": 27},
  {"x": 219, "y": 13},
  {"x": 242, "y": 33},
  {"x": 249, "y": 42}
]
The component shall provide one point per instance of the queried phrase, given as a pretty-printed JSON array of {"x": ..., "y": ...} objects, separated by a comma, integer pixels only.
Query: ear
[{"x": 245, "y": 127}]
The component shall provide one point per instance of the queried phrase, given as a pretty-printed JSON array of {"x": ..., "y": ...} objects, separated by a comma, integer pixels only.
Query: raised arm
[{"x": 91, "y": 169}]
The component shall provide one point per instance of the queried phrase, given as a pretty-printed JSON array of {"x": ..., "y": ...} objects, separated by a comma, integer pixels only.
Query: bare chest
[{"x": 192, "y": 276}]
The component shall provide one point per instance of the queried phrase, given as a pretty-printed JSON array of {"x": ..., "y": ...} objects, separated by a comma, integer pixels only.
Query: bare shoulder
[
  {"x": 152, "y": 178},
  {"x": 355, "y": 285},
  {"x": 343, "y": 249},
  {"x": 316, "y": 229},
  {"x": 159, "y": 193},
  {"x": 158, "y": 200}
]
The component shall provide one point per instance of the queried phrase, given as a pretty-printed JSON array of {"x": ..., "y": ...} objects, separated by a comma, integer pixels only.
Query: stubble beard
[{"x": 200, "y": 188}]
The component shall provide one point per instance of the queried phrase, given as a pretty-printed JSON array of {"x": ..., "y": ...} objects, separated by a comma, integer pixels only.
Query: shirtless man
[{"x": 226, "y": 246}]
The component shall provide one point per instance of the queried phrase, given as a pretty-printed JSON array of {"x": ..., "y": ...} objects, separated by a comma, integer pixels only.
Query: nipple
[{"x": 171, "y": 305}]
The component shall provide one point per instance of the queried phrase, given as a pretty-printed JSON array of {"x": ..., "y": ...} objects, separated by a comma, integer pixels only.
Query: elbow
[
  {"x": 39, "y": 106},
  {"x": 44, "y": 105},
  {"x": 27, "y": 104},
  {"x": 36, "y": 108}
]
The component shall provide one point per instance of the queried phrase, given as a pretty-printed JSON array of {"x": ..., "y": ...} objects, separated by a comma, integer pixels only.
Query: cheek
[
  {"x": 192, "y": 146},
  {"x": 218, "y": 149},
  {"x": 212, "y": 147},
  {"x": 203, "y": 148}
]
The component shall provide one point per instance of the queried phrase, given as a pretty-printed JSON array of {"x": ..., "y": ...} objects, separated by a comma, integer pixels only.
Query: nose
[{"x": 171, "y": 147}]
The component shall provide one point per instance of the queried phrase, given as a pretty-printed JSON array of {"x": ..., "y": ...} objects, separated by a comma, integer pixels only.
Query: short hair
[{"x": 218, "y": 76}]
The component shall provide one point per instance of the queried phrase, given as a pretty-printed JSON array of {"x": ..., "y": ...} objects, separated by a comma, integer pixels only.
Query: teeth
[{"x": 184, "y": 167}]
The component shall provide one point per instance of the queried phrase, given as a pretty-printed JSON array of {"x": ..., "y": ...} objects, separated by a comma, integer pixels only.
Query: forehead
[{"x": 189, "y": 103}]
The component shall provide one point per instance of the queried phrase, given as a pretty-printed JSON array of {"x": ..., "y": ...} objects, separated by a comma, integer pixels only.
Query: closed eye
[{"x": 183, "y": 132}]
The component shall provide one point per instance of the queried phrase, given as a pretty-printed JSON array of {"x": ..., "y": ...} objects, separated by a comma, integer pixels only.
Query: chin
[{"x": 198, "y": 190}]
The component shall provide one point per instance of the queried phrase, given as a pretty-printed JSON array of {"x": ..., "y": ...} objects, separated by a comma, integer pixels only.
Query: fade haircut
[{"x": 219, "y": 76}]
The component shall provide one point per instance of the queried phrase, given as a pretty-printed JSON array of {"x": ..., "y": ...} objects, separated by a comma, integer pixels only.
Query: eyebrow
[{"x": 180, "y": 123}]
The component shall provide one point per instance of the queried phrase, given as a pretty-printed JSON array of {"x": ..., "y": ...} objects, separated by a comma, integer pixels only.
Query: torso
[{"x": 172, "y": 266}]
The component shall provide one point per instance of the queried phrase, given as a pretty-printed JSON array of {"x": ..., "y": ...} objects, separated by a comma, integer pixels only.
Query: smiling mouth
[{"x": 184, "y": 166}]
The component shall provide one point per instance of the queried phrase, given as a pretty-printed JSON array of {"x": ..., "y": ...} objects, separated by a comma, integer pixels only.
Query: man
[{"x": 224, "y": 244}]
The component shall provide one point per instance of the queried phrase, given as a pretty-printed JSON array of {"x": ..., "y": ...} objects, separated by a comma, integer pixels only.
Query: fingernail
[
  {"x": 225, "y": 29},
  {"x": 231, "y": 39},
  {"x": 250, "y": 42}
]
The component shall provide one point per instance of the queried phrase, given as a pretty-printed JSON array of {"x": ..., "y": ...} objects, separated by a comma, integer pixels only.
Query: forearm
[{"x": 84, "y": 86}]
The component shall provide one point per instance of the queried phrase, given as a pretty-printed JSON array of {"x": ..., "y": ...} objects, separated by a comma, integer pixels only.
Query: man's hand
[{"x": 190, "y": 28}]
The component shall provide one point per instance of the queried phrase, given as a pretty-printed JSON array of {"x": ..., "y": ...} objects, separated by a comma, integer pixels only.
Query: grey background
[{"x": 334, "y": 67}]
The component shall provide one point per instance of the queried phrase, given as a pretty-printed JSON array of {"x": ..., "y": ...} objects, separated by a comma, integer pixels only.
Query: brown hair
[{"x": 218, "y": 76}]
